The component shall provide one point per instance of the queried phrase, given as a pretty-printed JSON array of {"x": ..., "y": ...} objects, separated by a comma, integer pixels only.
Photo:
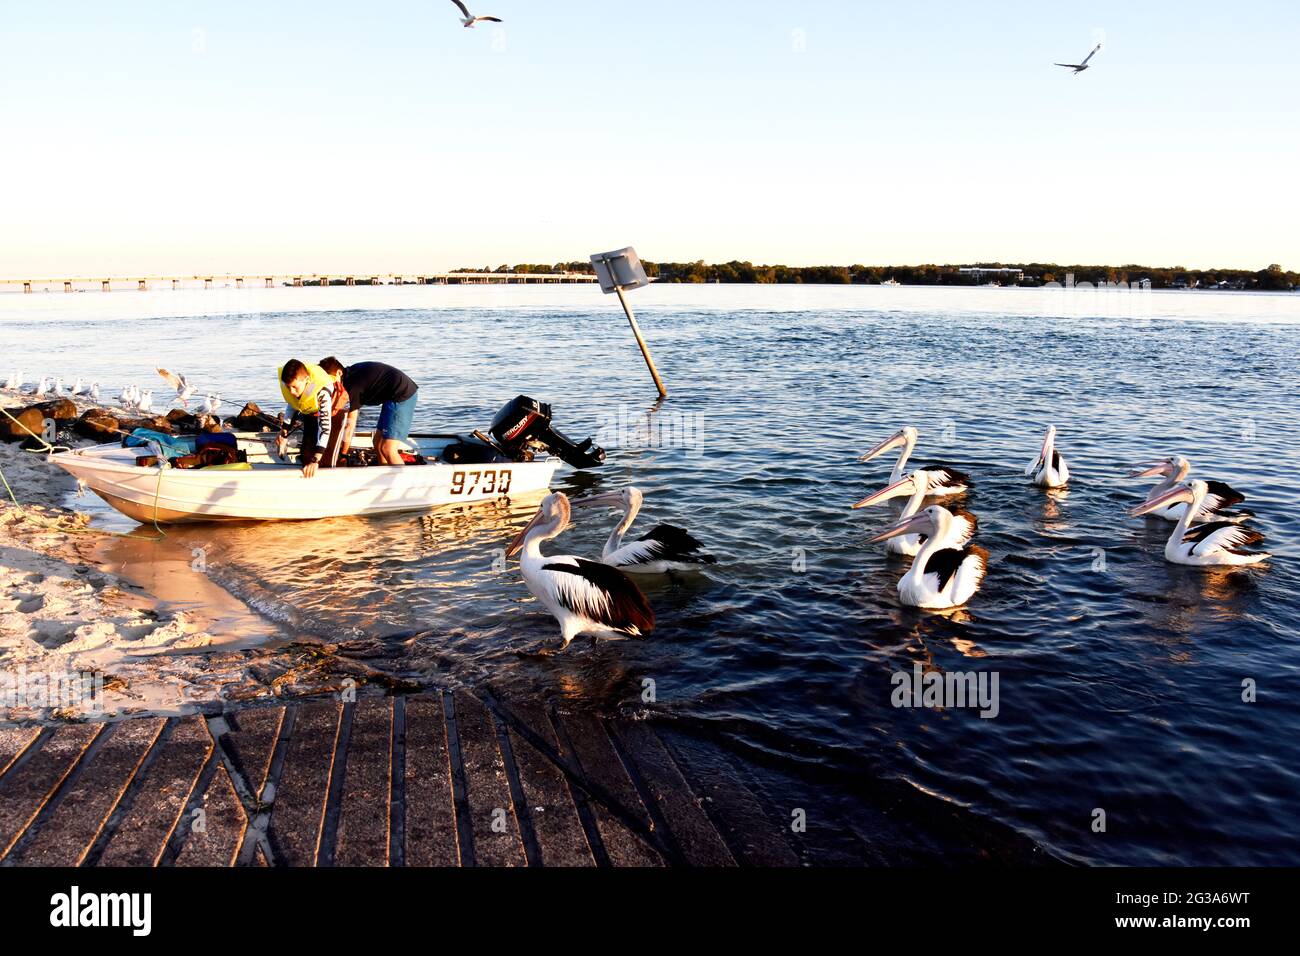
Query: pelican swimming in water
[
  {"x": 1174, "y": 471},
  {"x": 950, "y": 480},
  {"x": 1049, "y": 469},
  {"x": 586, "y": 597},
  {"x": 664, "y": 550},
  {"x": 1214, "y": 544},
  {"x": 944, "y": 574},
  {"x": 917, "y": 486}
]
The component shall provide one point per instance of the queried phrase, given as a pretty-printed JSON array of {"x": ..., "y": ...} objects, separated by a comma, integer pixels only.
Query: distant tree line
[{"x": 1272, "y": 279}]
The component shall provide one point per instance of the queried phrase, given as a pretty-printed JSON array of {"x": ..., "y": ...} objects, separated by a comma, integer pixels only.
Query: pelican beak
[
  {"x": 517, "y": 544},
  {"x": 1181, "y": 493},
  {"x": 610, "y": 499},
  {"x": 884, "y": 494},
  {"x": 1048, "y": 440},
  {"x": 1150, "y": 469},
  {"x": 893, "y": 441},
  {"x": 917, "y": 524}
]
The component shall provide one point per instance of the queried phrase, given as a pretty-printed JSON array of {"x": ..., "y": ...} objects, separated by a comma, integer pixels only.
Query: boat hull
[{"x": 277, "y": 492}]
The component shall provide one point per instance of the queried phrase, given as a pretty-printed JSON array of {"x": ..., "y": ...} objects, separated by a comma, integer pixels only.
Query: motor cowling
[{"x": 526, "y": 422}]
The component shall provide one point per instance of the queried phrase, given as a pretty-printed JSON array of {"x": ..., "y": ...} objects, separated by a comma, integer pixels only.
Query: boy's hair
[
  {"x": 332, "y": 365},
  {"x": 292, "y": 370}
]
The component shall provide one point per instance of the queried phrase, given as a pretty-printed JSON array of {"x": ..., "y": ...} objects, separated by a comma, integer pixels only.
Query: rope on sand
[{"x": 52, "y": 526}]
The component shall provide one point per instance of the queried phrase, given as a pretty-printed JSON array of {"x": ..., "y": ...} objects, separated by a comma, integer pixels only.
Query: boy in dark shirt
[{"x": 374, "y": 383}]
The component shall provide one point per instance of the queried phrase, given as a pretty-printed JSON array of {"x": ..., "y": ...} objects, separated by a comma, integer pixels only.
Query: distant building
[{"x": 980, "y": 273}]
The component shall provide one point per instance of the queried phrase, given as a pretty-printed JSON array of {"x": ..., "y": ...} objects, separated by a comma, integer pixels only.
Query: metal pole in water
[{"x": 640, "y": 341}]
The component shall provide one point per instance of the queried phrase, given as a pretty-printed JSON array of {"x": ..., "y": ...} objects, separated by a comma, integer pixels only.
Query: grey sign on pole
[{"x": 618, "y": 272}]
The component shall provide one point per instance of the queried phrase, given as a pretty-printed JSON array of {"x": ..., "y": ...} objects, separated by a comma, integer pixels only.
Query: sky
[{"x": 178, "y": 137}]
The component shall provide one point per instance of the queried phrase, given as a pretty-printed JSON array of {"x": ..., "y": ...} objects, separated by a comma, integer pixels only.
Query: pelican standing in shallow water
[
  {"x": 1214, "y": 544},
  {"x": 950, "y": 481},
  {"x": 664, "y": 550},
  {"x": 917, "y": 486},
  {"x": 1049, "y": 469},
  {"x": 586, "y": 597},
  {"x": 944, "y": 575},
  {"x": 1174, "y": 471}
]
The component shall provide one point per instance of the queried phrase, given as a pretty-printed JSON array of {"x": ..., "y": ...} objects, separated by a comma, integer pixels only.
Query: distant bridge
[{"x": 143, "y": 283}]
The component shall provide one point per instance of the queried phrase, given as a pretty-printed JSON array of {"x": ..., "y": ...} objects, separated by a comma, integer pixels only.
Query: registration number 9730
[{"x": 489, "y": 481}]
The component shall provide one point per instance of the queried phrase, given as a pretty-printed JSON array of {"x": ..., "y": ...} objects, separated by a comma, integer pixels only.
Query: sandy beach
[{"x": 148, "y": 637}]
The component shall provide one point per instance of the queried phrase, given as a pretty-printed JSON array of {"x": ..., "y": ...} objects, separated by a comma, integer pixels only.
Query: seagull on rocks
[
  {"x": 145, "y": 401},
  {"x": 14, "y": 382},
  {"x": 1080, "y": 67},
  {"x": 42, "y": 387},
  {"x": 184, "y": 390},
  {"x": 93, "y": 392},
  {"x": 469, "y": 19},
  {"x": 209, "y": 405}
]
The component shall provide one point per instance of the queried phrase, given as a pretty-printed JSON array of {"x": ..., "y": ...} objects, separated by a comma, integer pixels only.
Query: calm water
[{"x": 1120, "y": 676}]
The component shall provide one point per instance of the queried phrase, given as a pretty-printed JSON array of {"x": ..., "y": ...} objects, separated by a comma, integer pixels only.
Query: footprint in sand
[
  {"x": 35, "y": 578},
  {"x": 30, "y": 603}
]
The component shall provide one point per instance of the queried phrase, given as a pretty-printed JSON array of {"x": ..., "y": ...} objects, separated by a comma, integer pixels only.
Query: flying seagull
[
  {"x": 469, "y": 19},
  {"x": 1080, "y": 67}
]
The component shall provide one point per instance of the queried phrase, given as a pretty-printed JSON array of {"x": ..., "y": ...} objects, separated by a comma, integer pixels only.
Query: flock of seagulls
[{"x": 131, "y": 398}]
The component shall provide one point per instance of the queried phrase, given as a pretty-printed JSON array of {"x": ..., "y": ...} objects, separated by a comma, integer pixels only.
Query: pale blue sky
[{"x": 329, "y": 137}]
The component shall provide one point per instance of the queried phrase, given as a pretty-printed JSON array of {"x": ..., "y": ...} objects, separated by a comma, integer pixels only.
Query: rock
[
  {"x": 158, "y": 424},
  {"x": 31, "y": 417},
  {"x": 248, "y": 419},
  {"x": 61, "y": 409},
  {"x": 98, "y": 424},
  {"x": 184, "y": 422}
]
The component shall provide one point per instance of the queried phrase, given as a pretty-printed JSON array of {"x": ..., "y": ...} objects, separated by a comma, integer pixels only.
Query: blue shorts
[{"x": 395, "y": 418}]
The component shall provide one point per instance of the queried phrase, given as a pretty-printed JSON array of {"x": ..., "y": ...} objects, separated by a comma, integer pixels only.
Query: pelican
[
  {"x": 664, "y": 550},
  {"x": 469, "y": 19},
  {"x": 917, "y": 485},
  {"x": 1049, "y": 469},
  {"x": 1214, "y": 544},
  {"x": 183, "y": 388},
  {"x": 950, "y": 480},
  {"x": 586, "y": 597},
  {"x": 1174, "y": 470},
  {"x": 944, "y": 574},
  {"x": 1080, "y": 67}
]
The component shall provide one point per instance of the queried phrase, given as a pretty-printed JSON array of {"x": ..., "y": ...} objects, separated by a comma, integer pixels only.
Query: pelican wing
[
  {"x": 1220, "y": 536},
  {"x": 463, "y": 8},
  {"x": 677, "y": 544},
  {"x": 944, "y": 476},
  {"x": 1090, "y": 55},
  {"x": 602, "y": 594},
  {"x": 1221, "y": 495}
]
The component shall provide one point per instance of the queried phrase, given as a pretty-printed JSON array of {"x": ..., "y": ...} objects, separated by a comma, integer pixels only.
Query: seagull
[
  {"x": 93, "y": 392},
  {"x": 129, "y": 397},
  {"x": 59, "y": 388},
  {"x": 209, "y": 405},
  {"x": 1080, "y": 67},
  {"x": 145, "y": 402},
  {"x": 79, "y": 386},
  {"x": 14, "y": 382},
  {"x": 469, "y": 19},
  {"x": 42, "y": 387},
  {"x": 183, "y": 388}
]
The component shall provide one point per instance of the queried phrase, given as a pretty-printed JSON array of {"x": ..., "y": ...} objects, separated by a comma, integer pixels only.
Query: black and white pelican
[
  {"x": 469, "y": 19},
  {"x": 1049, "y": 469},
  {"x": 944, "y": 574},
  {"x": 1219, "y": 498},
  {"x": 1216, "y": 543},
  {"x": 917, "y": 487},
  {"x": 951, "y": 481},
  {"x": 664, "y": 550},
  {"x": 586, "y": 597}
]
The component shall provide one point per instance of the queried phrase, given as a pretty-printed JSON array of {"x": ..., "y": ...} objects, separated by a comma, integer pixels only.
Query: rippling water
[{"x": 1120, "y": 676}]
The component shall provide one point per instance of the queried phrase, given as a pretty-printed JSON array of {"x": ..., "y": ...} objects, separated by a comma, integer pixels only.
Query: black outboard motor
[{"x": 526, "y": 421}]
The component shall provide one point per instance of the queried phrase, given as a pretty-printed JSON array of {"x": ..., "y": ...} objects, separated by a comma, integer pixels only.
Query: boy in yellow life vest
[{"x": 316, "y": 399}]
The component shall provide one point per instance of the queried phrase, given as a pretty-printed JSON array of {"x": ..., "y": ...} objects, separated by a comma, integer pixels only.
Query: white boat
[{"x": 272, "y": 489}]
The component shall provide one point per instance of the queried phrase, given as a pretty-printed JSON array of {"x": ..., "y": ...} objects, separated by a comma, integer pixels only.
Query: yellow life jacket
[{"x": 307, "y": 404}]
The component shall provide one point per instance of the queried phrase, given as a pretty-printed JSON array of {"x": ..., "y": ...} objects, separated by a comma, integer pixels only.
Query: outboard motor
[{"x": 526, "y": 421}]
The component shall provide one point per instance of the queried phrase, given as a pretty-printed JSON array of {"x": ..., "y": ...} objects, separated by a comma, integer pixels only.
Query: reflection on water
[{"x": 1120, "y": 675}]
